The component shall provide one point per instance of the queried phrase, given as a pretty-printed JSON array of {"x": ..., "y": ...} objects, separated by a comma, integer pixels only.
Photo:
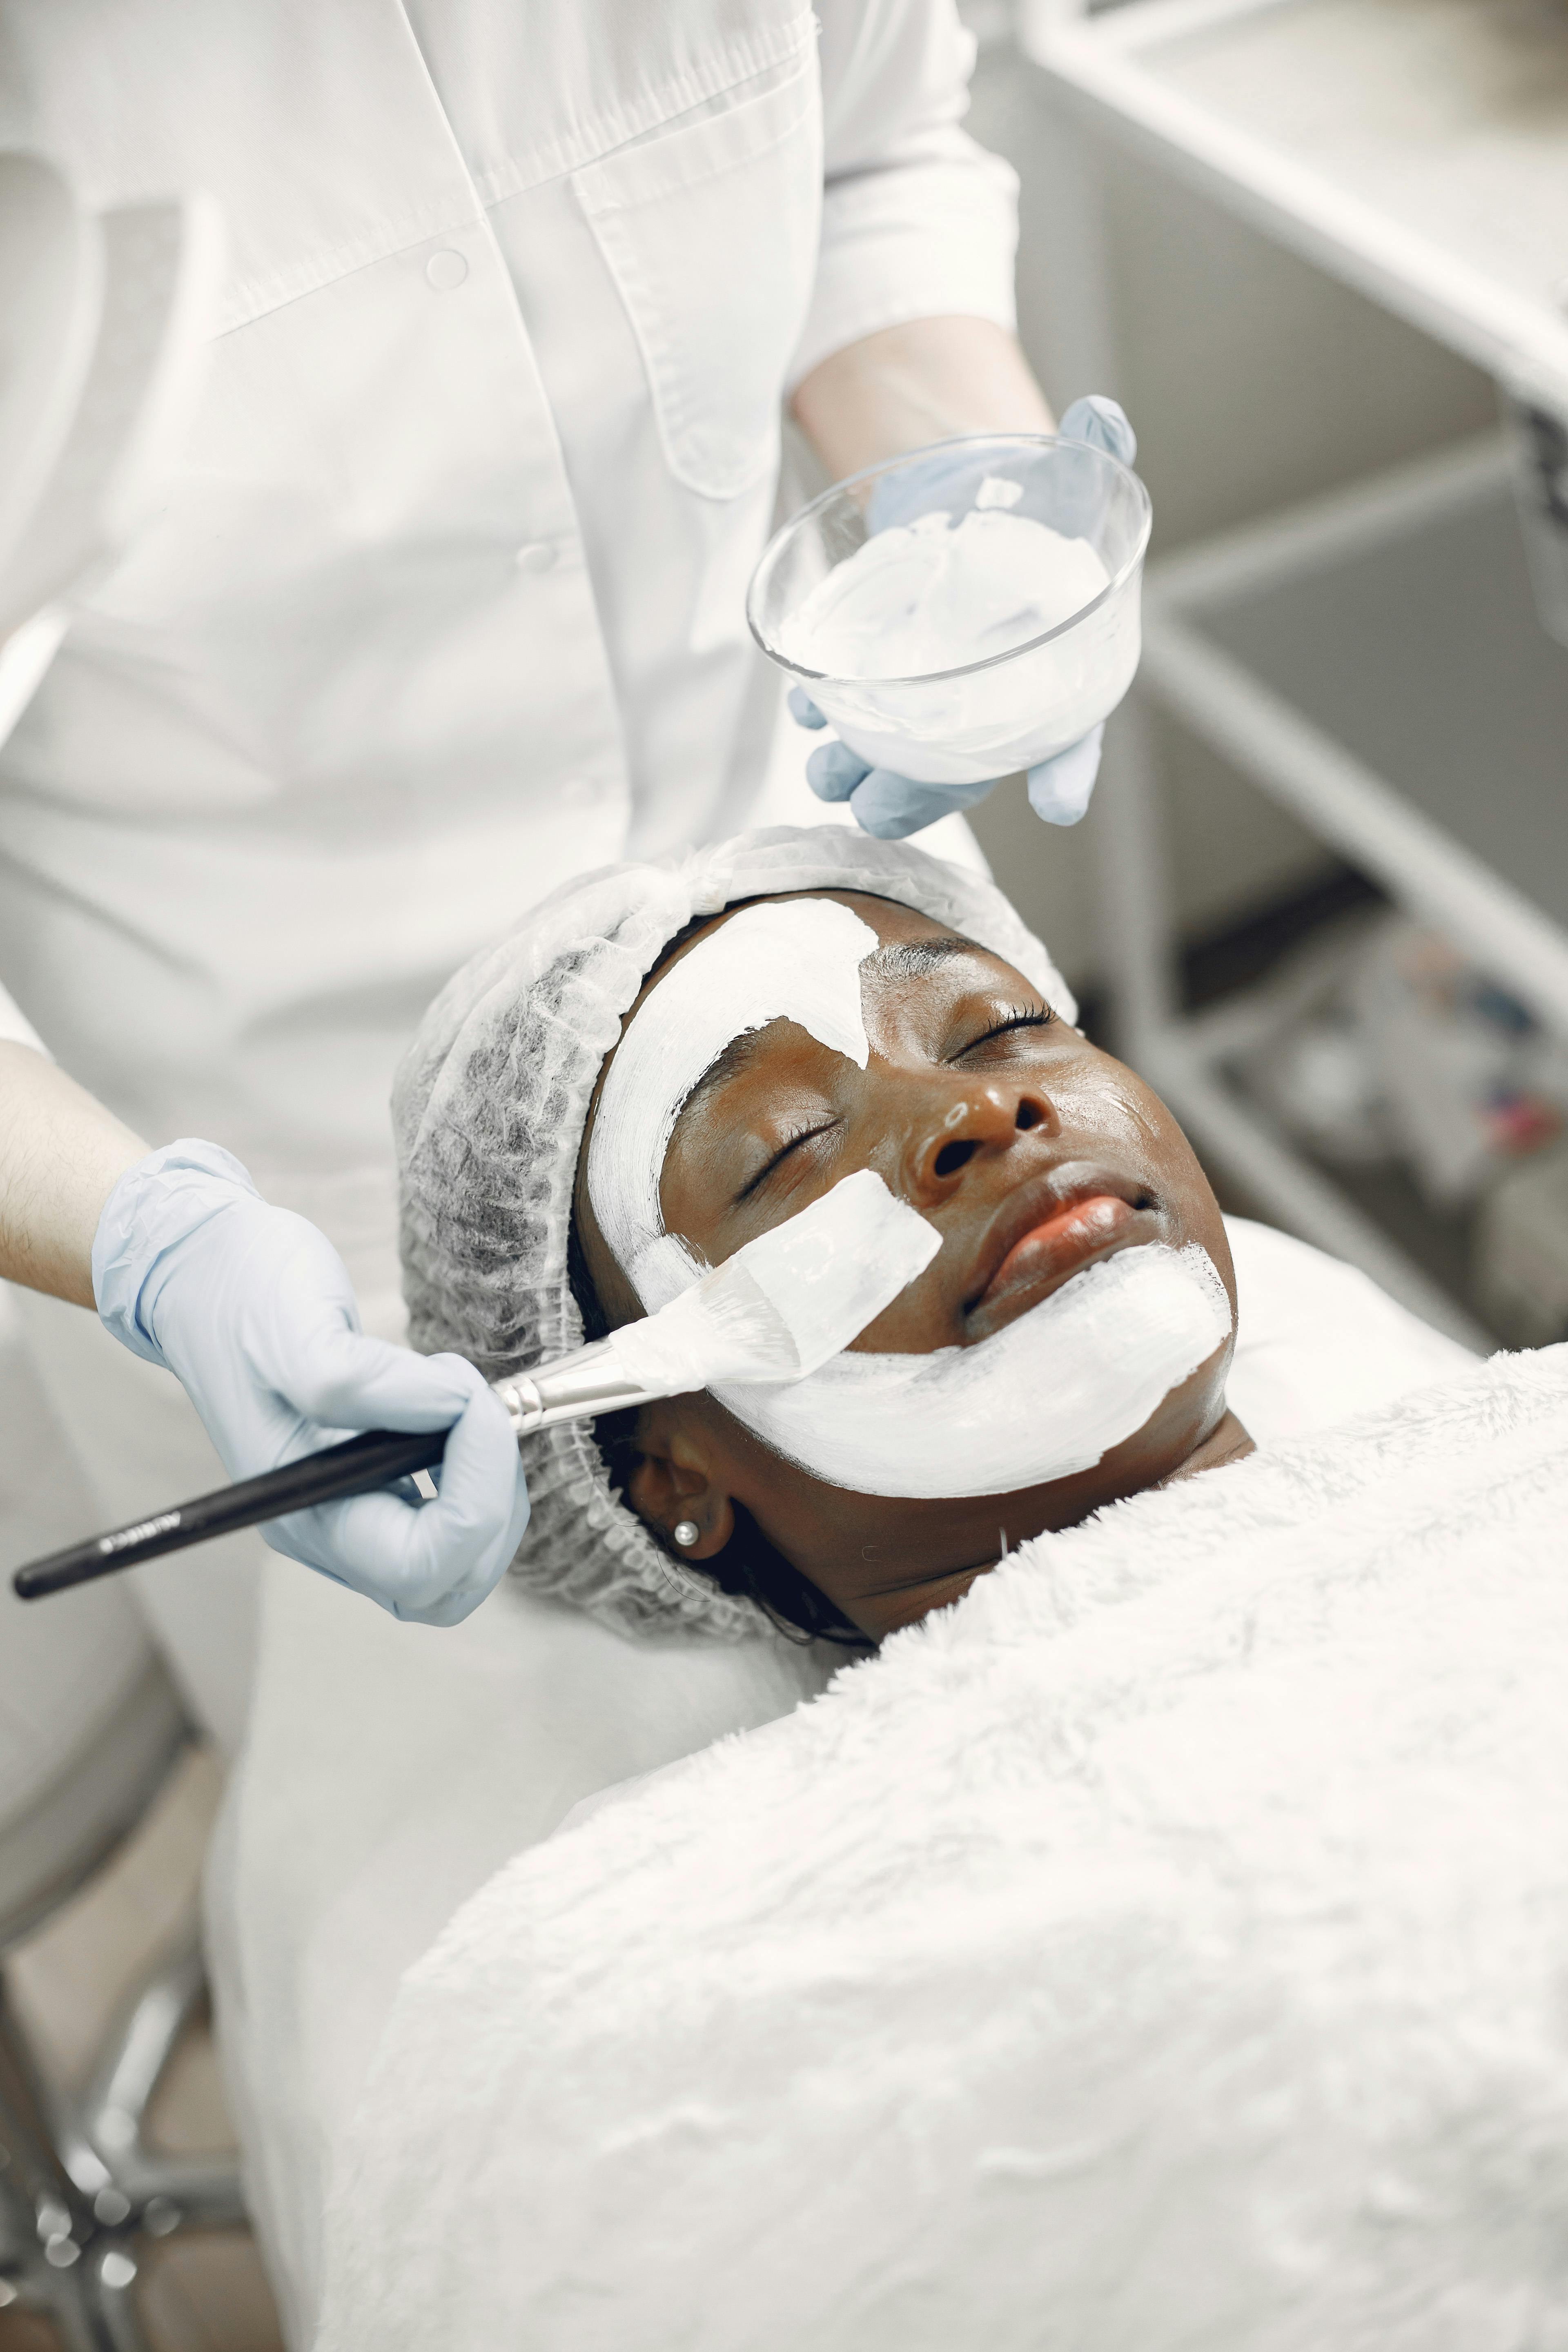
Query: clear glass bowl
[{"x": 1017, "y": 706}]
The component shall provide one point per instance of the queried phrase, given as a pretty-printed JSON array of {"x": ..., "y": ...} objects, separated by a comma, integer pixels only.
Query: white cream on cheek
[
  {"x": 1048, "y": 1395},
  {"x": 792, "y": 960}
]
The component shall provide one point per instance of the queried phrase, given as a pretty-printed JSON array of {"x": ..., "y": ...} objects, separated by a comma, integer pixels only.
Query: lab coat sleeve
[
  {"x": 919, "y": 222},
  {"x": 14, "y": 1029}
]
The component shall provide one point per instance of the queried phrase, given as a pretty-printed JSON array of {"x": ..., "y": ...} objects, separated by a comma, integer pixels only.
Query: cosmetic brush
[{"x": 775, "y": 1311}]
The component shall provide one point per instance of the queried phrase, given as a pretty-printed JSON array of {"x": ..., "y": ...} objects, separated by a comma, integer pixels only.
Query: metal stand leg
[
  {"x": 171, "y": 2192},
  {"x": 81, "y": 2191}
]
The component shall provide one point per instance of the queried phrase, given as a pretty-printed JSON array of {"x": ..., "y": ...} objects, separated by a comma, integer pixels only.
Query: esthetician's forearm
[
  {"x": 61, "y": 1154},
  {"x": 913, "y": 385}
]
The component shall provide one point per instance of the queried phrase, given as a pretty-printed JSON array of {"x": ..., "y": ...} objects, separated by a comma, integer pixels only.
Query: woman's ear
[{"x": 676, "y": 1483}]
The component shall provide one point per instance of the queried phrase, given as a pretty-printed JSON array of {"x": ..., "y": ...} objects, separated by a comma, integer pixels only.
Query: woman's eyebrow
[
  {"x": 906, "y": 959},
  {"x": 731, "y": 1061}
]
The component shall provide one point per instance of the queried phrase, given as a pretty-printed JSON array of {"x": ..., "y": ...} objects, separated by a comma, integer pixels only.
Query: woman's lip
[
  {"x": 1037, "y": 1237},
  {"x": 1059, "y": 1243}
]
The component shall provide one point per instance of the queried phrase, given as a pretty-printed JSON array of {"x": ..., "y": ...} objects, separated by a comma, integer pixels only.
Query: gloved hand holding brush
[{"x": 252, "y": 1309}]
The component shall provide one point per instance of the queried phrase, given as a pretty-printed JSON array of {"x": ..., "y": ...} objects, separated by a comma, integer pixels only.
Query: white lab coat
[{"x": 445, "y": 601}]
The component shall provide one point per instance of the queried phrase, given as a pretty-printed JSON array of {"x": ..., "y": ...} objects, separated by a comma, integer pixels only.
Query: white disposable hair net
[{"x": 489, "y": 1108}]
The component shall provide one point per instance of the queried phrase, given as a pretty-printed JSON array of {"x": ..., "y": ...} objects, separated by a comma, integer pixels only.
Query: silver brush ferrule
[{"x": 589, "y": 1381}]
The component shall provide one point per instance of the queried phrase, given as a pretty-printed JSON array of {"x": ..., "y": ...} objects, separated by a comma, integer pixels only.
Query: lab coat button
[
  {"x": 535, "y": 555},
  {"x": 445, "y": 270}
]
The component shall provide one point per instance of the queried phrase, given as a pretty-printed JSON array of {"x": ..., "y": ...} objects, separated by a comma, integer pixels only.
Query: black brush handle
[{"x": 377, "y": 1457}]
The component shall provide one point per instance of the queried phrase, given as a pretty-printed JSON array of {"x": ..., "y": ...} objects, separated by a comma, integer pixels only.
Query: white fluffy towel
[{"x": 1166, "y": 1947}]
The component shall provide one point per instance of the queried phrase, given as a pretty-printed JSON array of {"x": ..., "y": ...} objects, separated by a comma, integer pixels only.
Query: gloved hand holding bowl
[{"x": 959, "y": 613}]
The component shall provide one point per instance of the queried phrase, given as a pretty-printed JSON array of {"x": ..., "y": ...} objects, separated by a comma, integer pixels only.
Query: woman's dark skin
[{"x": 1033, "y": 1155}]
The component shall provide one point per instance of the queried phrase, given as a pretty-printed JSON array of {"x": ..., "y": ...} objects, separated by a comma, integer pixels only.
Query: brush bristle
[{"x": 789, "y": 1300}]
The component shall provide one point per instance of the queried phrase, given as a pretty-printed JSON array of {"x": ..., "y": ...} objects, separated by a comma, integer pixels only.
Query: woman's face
[{"x": 1031, "y": 1152}]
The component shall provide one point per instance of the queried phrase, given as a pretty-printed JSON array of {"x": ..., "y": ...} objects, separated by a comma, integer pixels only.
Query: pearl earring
[{"x": 687, "y": 1531}]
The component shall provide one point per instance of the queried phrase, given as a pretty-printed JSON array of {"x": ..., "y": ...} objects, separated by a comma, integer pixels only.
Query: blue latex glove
[
  {"x": 890, "y": 805},
  {"x": 252, "y": 1310}
]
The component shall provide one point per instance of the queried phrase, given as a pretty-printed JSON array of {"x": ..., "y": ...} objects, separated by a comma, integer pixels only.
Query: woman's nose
[{"x": 980, "y": 1119}]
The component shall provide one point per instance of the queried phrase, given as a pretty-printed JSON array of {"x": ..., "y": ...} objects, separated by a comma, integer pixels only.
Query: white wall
[{"x": 1252, "y": 381}]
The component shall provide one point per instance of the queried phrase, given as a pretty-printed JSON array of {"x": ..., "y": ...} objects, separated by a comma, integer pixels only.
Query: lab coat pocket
[{"x": 711, "y": 232}]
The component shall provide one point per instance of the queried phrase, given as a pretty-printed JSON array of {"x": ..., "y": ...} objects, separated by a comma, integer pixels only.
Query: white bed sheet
[
  {"x": 1162, "y": 1948},
  {"x": 391, "y": 1770}
]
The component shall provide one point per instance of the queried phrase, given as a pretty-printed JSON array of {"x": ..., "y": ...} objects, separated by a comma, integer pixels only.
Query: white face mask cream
[
  {"x": 794, "y": 959},
  {"x": 1048, "y": 1395},
  {"x": 925, "y": 597}
]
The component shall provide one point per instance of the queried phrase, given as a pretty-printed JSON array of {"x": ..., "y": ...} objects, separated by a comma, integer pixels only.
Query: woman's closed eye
[
  {"x": 792, "y": 1143},
  {"x": 1036, "y": 1016},
  {"x": 1014, "y": 1019}
]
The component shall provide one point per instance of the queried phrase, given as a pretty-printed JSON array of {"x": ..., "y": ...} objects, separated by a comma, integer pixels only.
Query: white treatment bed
[
  {"x": 1163, "y": 1946},
  {"x": 390, "y": 1770}
]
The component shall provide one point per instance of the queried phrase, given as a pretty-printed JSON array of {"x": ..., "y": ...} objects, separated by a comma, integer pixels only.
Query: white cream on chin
[
  {"x": 1048, "y": 1395},
  {"x": 926, "y": 598},
  {"x": 792, "y": 960}
]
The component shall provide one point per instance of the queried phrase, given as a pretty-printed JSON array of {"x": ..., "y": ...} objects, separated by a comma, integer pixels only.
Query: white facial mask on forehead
[
  {"x": 793, "y": 960},
  {"x": 1046, "y": 1396}
]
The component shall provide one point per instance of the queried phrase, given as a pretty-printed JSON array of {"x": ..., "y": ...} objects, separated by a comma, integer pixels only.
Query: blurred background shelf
[
  {"x": 1373, "y": 661},
  {"x": 1360, "y": 645},
  {"x": 1418, "y": 149}
]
